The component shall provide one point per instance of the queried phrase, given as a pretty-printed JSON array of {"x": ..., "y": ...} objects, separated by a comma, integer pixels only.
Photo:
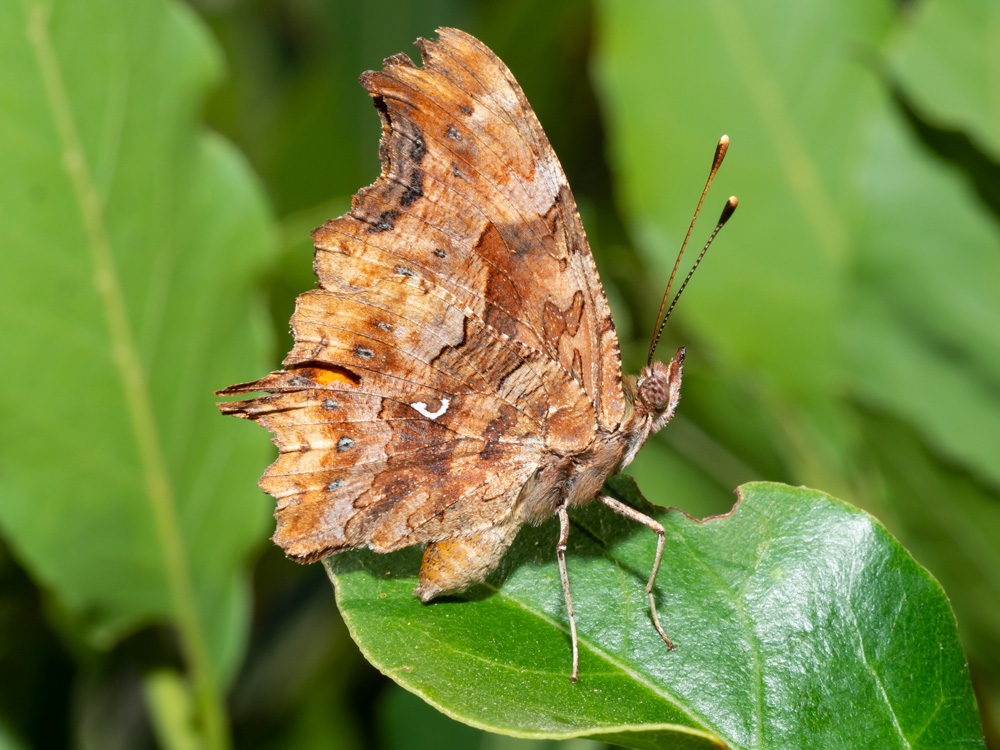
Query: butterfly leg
[
  {"x": 631, "y": 513},
  {"x": 561, "y": 557}
]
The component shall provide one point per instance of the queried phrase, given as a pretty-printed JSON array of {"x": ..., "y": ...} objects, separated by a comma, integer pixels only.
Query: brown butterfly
[{"x": 456, "y": 374}]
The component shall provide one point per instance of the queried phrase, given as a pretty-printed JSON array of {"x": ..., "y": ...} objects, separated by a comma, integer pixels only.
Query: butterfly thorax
[{"x": 575, "y": 479}]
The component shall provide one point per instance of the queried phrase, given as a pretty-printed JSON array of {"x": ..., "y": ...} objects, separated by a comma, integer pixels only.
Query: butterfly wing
[
  {"x": 460, "y": 335},
  {"x": 473, "y": 197}
]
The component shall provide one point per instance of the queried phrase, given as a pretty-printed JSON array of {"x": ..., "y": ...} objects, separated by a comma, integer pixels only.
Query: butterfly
[{"x": 456, "y": 374}]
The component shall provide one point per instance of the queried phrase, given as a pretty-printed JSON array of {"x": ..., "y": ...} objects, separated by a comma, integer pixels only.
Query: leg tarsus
[{"x": 661, "y": 538}]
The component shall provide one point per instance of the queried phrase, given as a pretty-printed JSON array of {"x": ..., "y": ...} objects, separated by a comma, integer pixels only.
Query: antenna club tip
[
  {"x": 728, "y": 209},
  {"x": 720, "y": 154}
]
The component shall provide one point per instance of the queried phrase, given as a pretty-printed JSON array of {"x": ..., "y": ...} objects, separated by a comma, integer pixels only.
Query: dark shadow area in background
[
  {"x": 952, "y": 146},
  {"x": 300, "y": 662},
  {"x": 58, "y": 690},
  {"x": 38, "y": 671}
]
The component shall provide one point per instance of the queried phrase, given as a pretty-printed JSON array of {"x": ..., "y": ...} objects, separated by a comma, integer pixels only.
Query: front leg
[{"x": 629, "y": 512}]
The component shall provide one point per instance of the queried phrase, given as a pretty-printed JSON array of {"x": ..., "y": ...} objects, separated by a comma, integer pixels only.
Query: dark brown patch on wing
[
  {"x": 385, "y": 221},
  {"x": 414, "y": 188},
  {"x": 503, "y": 300},
  {"x": 577, "y": 371},
  {"x": 495, "y": 431},
  {"x": 558, "y": 323}
]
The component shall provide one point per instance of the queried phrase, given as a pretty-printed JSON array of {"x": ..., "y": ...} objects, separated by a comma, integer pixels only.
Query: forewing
[{"x": 473, "y": 199}]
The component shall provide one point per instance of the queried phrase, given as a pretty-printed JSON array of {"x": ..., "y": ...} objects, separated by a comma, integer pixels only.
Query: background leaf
[
  {"x": 945, "y": 57},
  {"x": 124, "y": 304},
  {"x": 809, "y": 622}
]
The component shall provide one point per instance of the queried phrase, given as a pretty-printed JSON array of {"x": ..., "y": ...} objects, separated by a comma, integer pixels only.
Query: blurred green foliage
[{"x": 842, "y": 335}]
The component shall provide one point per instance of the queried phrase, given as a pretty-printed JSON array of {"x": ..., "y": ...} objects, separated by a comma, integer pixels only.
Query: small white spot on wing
[{"x": 421, "y": 407}]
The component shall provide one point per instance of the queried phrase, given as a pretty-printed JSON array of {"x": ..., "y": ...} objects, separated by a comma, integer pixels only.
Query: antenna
[{"x": 727, "y": 211}]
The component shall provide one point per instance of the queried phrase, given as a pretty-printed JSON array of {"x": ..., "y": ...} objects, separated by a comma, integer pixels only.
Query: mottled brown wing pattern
[
  {"x": 394, "y": 432},
  {"x": 399, "y": 481},
  {"x": 472, "y": 198},
  {"x": 460, "y": 335}
]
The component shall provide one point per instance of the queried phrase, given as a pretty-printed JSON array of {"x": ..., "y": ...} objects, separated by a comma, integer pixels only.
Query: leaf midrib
[{"x": 125, "y": 359}]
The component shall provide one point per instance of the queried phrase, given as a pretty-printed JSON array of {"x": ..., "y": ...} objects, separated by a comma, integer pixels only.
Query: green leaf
[
  {"x": 799, "y": 622},
  {"x": 132, "y": 239}
]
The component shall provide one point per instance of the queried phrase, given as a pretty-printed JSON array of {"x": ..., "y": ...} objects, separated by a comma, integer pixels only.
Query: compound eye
[{"x": 655, "y": 392}]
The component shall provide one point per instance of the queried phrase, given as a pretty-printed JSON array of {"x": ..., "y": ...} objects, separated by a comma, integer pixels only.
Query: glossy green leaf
[
  {"x": 799, "y": 622},
  {"x": 132, "y": 237}
]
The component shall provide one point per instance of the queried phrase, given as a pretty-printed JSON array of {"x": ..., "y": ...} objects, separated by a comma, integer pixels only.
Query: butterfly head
[
  {"x": 658, "y": 389},
  {"x": 653, "y": 397}
]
